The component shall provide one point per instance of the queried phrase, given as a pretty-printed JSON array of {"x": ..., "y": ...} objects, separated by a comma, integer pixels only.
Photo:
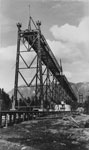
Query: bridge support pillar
[
  {"x": 17, "y": 67},
  {"x": 40, "y": 66}
]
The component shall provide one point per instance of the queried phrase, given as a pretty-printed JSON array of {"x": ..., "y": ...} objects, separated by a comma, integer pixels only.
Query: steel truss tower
[{"x": 37, "y": 69}]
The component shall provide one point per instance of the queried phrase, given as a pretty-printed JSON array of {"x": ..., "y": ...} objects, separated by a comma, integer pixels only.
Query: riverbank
[{"x": 66, "y": 133}]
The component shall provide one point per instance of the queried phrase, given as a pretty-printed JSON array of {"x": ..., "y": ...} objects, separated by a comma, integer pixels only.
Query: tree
[
  {"x": 6, "y": 101},
  {"x": 86, "y": 105}
]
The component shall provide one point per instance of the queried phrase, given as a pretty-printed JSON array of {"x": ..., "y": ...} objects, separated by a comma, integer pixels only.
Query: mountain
[
  {"x": 26, "y": 92},
  {"x": 79, "y": 88}
]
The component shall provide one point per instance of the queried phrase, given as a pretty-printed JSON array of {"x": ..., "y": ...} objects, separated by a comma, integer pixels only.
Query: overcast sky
[{"x": 65, "y": 25}]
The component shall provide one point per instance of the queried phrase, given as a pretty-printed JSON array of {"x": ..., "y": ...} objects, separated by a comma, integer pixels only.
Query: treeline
[
  {"x": 31, "y": 102},
  {"x": 5, "y": 101},
  {"x": 86, "y": 105}
]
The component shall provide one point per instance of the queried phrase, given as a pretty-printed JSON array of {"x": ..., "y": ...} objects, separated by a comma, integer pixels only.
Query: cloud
[
  {"x": 56, "y": 6},
  {"x": 73, "y": 39},
  {"x": 68, "y": 52},
  {"x": 71, "y": 43},
  {"x": 72, "y": 0},
  {"x": 8, "y": 53},
  {"x": 6, "y": 24},
  {"x": 70, "y": 33},
  {"x": 86, "y": 9},
  {"x": 64, "y": 0},
  {"x": 7, "y": 65},
  {"x": 68, "y": 74}
]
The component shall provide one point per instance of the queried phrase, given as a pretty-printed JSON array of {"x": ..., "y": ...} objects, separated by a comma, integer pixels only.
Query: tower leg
[
  {"x": 40, "y": 67},
  {"x": 17, "y": 68}
]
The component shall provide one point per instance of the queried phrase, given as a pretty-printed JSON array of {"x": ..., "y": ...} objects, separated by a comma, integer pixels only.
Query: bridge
[
  {"x": 38, "y": 70},
  {"x": 48, "y": 80}
]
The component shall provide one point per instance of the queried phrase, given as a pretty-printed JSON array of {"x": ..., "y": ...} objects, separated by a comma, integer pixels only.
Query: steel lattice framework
[{"x": 48, "y": 81}]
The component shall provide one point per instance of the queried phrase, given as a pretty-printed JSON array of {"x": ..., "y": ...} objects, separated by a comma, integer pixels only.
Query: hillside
[
  {"x": 81, "y": 87},
  {"x": 26, "y": 92}
]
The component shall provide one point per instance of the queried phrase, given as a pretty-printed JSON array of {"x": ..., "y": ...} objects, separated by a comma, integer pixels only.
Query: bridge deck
[{"x": 48, "y": 59}]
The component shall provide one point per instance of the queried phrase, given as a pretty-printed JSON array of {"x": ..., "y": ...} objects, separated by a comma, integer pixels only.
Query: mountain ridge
[{"x": 78, "y": 88}]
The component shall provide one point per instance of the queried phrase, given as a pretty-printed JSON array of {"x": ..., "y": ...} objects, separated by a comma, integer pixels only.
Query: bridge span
[
  {"x": 48, "y": 80},
  {"x": 38, "y": 70}
]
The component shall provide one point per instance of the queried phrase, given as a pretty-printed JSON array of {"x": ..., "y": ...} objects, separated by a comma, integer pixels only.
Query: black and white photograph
[{"x": 44, "y": 74}]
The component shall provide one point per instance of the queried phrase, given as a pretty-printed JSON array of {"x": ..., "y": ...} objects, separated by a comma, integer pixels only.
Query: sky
[{"x": 65, "y": 25}]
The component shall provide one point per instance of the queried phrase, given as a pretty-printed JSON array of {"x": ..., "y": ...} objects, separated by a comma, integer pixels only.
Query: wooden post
[
  {"x": 6, "y": 120},
  {"x": 14, "y": 118},
  {"x": 10, "y": 119}
]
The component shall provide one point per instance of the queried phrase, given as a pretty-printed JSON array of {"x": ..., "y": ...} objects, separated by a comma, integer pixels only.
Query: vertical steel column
[
  {"x": 56, "y": 93},
  {"x": 40, "y": 65},
  {"x": 59, "y": 92},
  {"x": 50, "y": 92},
  {"x": 17, "y": 67},
  {"x": 47, "y": 84},
  {"x": 53, "y": 88},
  {"x": 36, "y": 92}
]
